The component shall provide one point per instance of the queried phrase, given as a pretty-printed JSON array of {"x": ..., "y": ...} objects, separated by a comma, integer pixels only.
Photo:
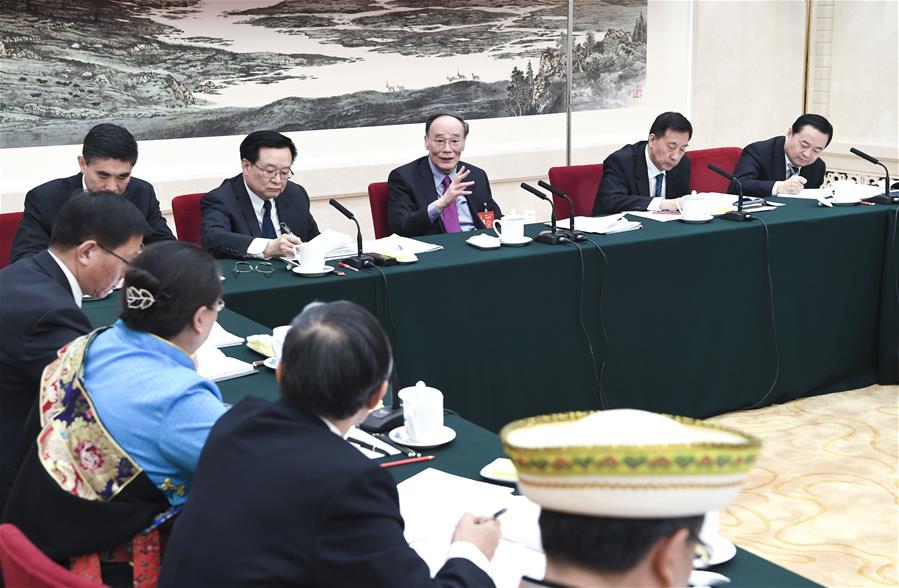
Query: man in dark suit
[
  {"x": 259, "y": 212},
  {"x": 786, "y": 164},
  {"x": 651, "y": 174},
  {"x": 94, "y": 238},
  {"x": 439, "y": 193},
  {"x": 279, "y": 498},
  {"x": 106, "y": 161}
]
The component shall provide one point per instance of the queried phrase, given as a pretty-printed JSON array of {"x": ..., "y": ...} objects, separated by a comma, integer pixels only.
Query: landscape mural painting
[{"x": 194, "y": 68}]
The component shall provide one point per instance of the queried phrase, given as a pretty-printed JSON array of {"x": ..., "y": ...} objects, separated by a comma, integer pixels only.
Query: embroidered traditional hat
[{"x": 628, "y": 463}]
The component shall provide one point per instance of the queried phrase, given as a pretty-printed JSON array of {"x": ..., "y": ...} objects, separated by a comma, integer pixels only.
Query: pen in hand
[{"x": 497, "y": 514}]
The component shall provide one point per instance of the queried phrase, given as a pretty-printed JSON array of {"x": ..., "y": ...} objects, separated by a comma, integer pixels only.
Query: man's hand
[
  {"x": 670, "y": 204},
  {"x": 792, "y": 186},
  {"x": 457, "y": 188},
  {"x": 483, "y": 533},
  {"x": 282, "y": 246}
]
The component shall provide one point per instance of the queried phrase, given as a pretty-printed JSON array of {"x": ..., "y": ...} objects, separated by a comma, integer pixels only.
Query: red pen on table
[
  {"x": 400, "y": 462},
  {"x": 349, "y": 267}
]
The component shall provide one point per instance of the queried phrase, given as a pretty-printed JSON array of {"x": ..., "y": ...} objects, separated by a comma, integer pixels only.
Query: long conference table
[
  {"x": 685, "y": 309},
  {"x": 473, "y": 448}
]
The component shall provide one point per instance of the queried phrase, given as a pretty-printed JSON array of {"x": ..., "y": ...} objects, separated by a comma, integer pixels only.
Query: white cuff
[
  {"x": 257, "y": 248},
  {"x": 468, "y": 551},
  {"x": 654, "y": 205},
  {"x": 774, "y": 189}
]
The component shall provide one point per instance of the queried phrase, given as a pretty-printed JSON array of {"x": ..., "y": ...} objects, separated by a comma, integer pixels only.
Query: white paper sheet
[
  {"x": 360, "y": 435},
  {"x": 396, "y": 245},
  {"x": 219, "y": 337},
  {"x": 600, "y": 225},
  {"x": 215, "y": 365}
]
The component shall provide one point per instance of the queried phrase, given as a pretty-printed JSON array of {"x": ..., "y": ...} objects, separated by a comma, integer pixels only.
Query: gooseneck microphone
[
  {"x": 359, "y": 260},
  {"x": 574, "y": 234},
  {"x": 738, "y": 214},
  {"x": 553, "y": 236},
  {"x": 886, "y": 197}
]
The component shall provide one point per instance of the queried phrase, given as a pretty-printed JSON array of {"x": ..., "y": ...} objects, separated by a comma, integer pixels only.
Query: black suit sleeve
[
  {"x": 218, "y": 237},
  {"x": 50, "y": 333},
  {"x": 404, "y": 215},
  {"x": 159, "y": 228},
  {"x": 482, "y": 195},
  {"x": 614, "y": 193},
  {"x": 750, "y": 171},
  {"x": 33, "y": 235},
  {"x": 360, "y": 542},
  {"x": 311, "y": 227}
]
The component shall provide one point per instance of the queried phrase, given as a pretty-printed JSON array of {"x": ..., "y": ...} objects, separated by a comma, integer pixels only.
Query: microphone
[
  {"x": 886, "y": 197},
  {"x": 738, "y": 214},
  {"x": 574, "y": 234},
  {"x": 554, "y": 236},
  {"x": 359, "y": 260}
]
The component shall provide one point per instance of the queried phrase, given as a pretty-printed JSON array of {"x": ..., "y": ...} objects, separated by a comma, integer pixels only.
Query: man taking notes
[
  {"x": 651, "y": 174},
  {"x": 280, "y": 498},
  {"x": 259, "y": 212},
  {"x": 786, "y": 164},
  {"x": 107, "y": 159},
  {"x": 439, "y": 193}
]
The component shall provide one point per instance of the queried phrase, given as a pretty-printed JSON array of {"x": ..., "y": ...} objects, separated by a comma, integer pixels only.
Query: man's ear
[
  {"x": 671, "y": 559},
  {"x": 84, "y": 252},
  {"x": 377, "y": 396}
]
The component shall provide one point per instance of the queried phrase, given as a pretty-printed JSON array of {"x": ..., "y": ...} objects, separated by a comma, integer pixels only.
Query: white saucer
[
  {"x": 399, "y": 435},
  {"x": 721, "y": 550},
  {"x": 483, "y": 242},
  {"x": 846, "y": 202},
  {"x": 524, "y": 241},
  {"x": 314, "y": 273},
  {"x": 697, "y": 221},
  {"x": 270, "y": 362},
  {"x": 500, "y": 470}
]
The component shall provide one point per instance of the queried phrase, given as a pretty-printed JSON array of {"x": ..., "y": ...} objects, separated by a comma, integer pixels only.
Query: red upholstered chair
[
  {"x": 702, "y": 179},
  {"x": 186, "y": 210},
  {"x": 9, "y": 224},
  {"x": 377, "y": 199},
  {"x": 580, "y": 182},
  {"x": 24, "y": 565}
]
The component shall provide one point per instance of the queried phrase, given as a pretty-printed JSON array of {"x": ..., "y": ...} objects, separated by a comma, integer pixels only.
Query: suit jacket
[
  {"x": 230, "y": 224},
  {"x": 625, "y": 181},
  {"x": 42, "y": 204},
  {"x": 412, "y": 190},
  {"x": 280, "y": 500},
  {"x": 762, "y": 163},
  {"x": 39, "y": 315}
]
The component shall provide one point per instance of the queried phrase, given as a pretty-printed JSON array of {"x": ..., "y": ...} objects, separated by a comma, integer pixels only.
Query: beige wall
[{"x": 735, "y": 68}]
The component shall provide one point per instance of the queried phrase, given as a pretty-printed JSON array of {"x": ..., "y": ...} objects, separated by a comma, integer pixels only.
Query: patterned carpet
[{"x": 824, "y": 498}]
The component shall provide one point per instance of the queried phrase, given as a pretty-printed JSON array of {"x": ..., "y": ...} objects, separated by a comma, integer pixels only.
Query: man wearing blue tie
[
  {"x": 259, "y": 212},
  {"x": 648, "y": 175},
  {"x": 439, "y": 193}
]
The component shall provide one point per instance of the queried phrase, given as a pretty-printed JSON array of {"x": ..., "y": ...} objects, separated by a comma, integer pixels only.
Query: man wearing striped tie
[
  {"x": 786, "y": 164},
  {"x": 439, "y": 193}
]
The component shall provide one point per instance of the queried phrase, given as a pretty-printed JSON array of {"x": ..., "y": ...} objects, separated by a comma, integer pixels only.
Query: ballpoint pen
[{"x": 368, "y": 446}]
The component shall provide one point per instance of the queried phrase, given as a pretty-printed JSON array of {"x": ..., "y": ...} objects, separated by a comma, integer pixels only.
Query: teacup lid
[{"x": 419, "y": 388}]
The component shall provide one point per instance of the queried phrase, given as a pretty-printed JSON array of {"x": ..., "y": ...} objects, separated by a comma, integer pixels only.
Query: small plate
[
  {"x": 313, "y": 274},
  {"x": 721, "y": 550},
  {"x": 399, "y": 435},
  {"x": 521, "y": 243},
  {"x": 697, "y": 221},
  {"x": 270, "y": 362},
  {"x": 847, "y": 202},
  {"x": 480, "y": 242},
  {"x": 406, "y": 258},
  {"x": 500, "y": 470}
]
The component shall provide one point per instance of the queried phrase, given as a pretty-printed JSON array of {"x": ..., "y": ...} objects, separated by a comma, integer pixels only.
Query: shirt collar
[
  {"x": 331, "y": 426},
  {"x": 73, "y": 282},
  {"x": 257, "y": 201},
  {"x": 439, "y": 175},
  {"x": 650, "y": 166},
  {"x": 790, "y": 163}
]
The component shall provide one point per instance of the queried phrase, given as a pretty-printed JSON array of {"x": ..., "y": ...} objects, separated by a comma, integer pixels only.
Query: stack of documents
[
  {"x": 432, "y": 502},
  {"x": 601, "y": 225},
  {"x": 219, "y": 337},
  {"x": 216, "y": 366},
  {"x": 359, "y": 435}
]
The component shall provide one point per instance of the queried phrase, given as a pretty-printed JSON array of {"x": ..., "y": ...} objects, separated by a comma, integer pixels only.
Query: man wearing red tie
[{"x": 439, "y": 193}]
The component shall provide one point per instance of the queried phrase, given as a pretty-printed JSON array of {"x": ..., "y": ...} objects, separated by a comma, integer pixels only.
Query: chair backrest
[
  {"x": 186, "y": 210},
  {"x": 581, "y": 183},
  {"x": 702, "y": 179},
  {"x": 9, "y": 224},
  {"x": 23, "y": 564},
  {"x": 377, "y": 199}
]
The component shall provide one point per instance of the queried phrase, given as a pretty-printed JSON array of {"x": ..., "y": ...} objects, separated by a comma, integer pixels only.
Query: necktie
[
  {"x": 791, "y": 170},
  {"x": 268, "y": 229},
  {"x": 659, "y": 179},
  {"x": 450, "y": 214}
]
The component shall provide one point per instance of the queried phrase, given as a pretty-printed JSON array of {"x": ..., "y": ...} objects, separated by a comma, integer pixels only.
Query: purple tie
[{"x": 450, "y": 214}]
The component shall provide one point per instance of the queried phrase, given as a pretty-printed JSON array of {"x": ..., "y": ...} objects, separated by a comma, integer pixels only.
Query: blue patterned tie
[
  {"x": 268, "y": 229},
  {"x": 792, "y": 170},
  {"x": 659, "y": 179}
]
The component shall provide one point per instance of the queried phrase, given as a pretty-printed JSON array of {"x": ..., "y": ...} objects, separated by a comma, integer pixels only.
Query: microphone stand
[
  {"x": 359, "y": 260},
  {"x": 573, "y": 233},
  {"x": 886, "y": 197},
  {"x": 738, "y": 214},
  {"x": 553, "y": 236}
]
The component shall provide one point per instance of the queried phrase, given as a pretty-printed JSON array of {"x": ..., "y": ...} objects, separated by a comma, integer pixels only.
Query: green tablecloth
[{"x": 686, "y": 309}]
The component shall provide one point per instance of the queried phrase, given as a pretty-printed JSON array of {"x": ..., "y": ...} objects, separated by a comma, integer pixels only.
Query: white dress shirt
[
  {"x": 73, "y": 282},
  {"x": 652, "y": 171},
  {"x": 258, "y": 245}
]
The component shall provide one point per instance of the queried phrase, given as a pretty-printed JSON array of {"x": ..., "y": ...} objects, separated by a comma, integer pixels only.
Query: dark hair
[
  {"x": 249, "y": 147},
  {"x": 108, "y": 141},
  {"x": 181, "y": 277},
  {"x": 335, "y": 356},
  {"x": 816, "y": 121},
  {"x": 605, "y": 544},
  {"x": 104, "y": 217},
  {"x": 435, "y": 115},
  {"x": 671, "y": 120}
]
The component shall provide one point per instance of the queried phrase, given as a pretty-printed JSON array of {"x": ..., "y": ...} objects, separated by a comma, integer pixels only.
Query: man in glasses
[
  {"x": 259, "y": 213},
  {"x": 94, "y": 238},
  {"x": 107, "y": 158}
]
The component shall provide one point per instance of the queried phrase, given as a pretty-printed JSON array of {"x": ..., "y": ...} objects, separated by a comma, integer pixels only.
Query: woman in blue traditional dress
[{"x": 124, "y": 415}]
